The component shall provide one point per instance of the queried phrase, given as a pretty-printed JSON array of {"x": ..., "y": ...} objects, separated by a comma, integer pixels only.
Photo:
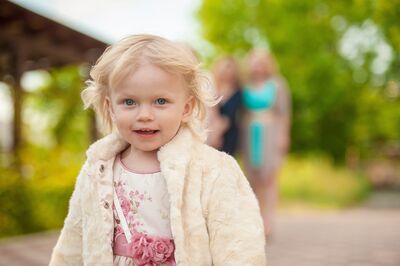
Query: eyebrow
[{"x": 156, "y": 95}]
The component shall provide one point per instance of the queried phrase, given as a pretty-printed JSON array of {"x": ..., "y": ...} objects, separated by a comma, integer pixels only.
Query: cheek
[
  {"x": 166, "y": 115},
  {"x": 122, "y": 117},
  {"x": 170, "y": 115}
]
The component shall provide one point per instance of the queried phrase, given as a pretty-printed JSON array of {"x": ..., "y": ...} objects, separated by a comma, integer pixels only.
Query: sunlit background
[{"x": 341, "y": 60}]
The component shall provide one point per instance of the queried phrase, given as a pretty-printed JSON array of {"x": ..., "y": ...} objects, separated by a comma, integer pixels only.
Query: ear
[
  {"x": 188, "y": 109},
  {"x": 109, "y": 108}
]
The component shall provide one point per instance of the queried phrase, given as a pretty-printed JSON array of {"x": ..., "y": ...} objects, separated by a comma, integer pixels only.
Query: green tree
[
  {"x": 60, "y": 100},
  {"x": 305, "y": 37}
]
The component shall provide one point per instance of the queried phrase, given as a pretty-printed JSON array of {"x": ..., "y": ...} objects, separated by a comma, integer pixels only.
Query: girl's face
[{"x": 149, "y": 106}]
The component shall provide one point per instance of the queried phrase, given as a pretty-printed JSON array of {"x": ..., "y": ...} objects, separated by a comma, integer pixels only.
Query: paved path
[
  {"x": 366, "y": 236},
  {"x": 32, "y": 250},
  {"x": 360, "y": 237}
]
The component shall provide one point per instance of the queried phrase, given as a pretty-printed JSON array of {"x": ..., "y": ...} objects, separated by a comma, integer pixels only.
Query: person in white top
[{"x": 151, "y": 192}]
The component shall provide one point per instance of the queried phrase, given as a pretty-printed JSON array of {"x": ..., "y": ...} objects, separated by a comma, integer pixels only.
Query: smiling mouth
[{"x": 146, "y": 132}]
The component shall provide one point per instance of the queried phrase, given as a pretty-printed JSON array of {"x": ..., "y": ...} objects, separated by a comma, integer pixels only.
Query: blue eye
[
  {"x": 129, "y": 102},
  {"x": 161, "y": 101}
]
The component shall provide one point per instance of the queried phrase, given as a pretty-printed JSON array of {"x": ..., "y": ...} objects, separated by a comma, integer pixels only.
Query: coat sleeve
[
  {"x": 234, "y": 222},
  {"x": 68, "y": 250}
]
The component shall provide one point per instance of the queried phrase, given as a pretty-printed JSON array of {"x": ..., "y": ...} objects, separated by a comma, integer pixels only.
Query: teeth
[{"x": 146, "y": 131}]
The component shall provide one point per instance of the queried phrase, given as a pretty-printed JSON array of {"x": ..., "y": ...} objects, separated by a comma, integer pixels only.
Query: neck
[{"x": 140, "y": 161}]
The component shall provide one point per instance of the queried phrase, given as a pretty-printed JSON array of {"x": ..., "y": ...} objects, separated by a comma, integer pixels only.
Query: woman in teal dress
[{"x": 266, "y": 130}]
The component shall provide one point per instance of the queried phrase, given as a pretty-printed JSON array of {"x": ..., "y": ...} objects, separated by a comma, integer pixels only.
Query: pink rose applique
[
  {"x": 161, "y": 249},
  {"x": 151, "y": 251},
  {"x": 140, "y": 249}
]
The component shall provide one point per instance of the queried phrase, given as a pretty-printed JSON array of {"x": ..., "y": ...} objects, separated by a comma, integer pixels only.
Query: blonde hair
[{"x": 125, "y": 56}]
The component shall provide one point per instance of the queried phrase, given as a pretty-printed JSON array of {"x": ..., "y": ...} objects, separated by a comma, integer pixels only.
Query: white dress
[{"x": 144, "y": 203}]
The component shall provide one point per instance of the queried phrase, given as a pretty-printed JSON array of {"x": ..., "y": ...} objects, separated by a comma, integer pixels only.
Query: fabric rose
[
  {"x": 161, "y": 249},
  {"x": 140, "y": 249}
]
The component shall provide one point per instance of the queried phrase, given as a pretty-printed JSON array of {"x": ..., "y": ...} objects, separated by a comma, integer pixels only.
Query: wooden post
[{"x": 17, "y": 96}]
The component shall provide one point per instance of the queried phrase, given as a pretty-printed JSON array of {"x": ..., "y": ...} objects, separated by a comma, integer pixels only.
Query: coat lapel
[
  {"x": 174, "y": 159},
  {"x": 101, "y": 155}
]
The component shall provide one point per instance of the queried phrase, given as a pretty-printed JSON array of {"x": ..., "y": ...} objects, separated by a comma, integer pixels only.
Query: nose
[{"x": 145, "y": 113}]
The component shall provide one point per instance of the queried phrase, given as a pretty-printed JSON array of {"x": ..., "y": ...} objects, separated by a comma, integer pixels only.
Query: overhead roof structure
[{"x": 31, "y": 41}]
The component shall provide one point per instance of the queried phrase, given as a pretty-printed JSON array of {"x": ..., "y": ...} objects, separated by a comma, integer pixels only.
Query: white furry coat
[{"x": 214, "y": 214}]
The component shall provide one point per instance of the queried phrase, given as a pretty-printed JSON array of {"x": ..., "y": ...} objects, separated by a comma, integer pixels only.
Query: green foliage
[
  {"x": 305, "y": 36},
  {"x": 37, "y": 199},
  {"x": 314, "y": 181},
  {"x": 51, "y": 183},
  {"x": 60, "y": 102},
  {"x": 16, "y": 216},
  {"x": 374, "y": 124}
]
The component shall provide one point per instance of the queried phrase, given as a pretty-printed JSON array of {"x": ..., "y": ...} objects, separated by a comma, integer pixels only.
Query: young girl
[{"x": 150, "y": 192}]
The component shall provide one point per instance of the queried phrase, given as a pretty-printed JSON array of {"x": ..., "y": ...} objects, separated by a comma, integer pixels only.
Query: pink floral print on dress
[{"x": 144, "y": 249}]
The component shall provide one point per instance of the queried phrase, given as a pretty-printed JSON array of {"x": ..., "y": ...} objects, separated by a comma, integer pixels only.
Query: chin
[{"x": 149, "y": 149}]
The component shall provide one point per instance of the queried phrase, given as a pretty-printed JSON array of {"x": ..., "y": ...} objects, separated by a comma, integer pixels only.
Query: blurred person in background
[
  {"x": 266, "y": 129},
  {"x": 224, "y": 133}
]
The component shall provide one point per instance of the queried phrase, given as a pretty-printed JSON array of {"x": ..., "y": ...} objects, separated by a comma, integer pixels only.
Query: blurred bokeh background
[{"x": 341, "y": 60}]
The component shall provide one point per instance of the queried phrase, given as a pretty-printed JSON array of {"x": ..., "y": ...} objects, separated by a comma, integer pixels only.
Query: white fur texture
[{"x": 214, "y": 214}]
